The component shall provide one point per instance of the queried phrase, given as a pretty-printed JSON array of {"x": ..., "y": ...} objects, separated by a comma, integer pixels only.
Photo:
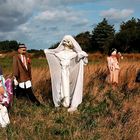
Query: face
[
  {"x": 22, "y": 50},
  {"x": 67, "y": 43},
  {"x": 114, "y": 52}
]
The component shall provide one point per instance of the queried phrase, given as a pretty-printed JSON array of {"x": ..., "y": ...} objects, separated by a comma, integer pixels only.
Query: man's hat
[{"x": 21, "y": 46}]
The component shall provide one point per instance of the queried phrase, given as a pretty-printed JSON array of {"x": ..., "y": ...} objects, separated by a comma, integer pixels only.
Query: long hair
[{"x": 111, "y": 50}]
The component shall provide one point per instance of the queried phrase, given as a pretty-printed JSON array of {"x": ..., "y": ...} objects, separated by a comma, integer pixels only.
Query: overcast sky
[{"x": 41, "y": 23}]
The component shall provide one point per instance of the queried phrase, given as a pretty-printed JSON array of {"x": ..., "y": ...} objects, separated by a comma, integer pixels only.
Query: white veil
[{"x": 76, "y": 72}]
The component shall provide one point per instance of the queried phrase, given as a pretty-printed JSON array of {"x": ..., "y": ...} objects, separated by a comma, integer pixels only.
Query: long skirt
[{"x": 113, "y": 76}]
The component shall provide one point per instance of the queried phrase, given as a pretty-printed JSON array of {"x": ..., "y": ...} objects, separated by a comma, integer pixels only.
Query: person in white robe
[{"x": 66, "y": 64}]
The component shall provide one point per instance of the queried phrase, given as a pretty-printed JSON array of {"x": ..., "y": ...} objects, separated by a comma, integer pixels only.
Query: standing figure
[
  {"x": 66, "y": 67},
  {"x": 4, "y": 102},
  {"x": 22, "y": 75},
  {"x": 113, "y": 66}
]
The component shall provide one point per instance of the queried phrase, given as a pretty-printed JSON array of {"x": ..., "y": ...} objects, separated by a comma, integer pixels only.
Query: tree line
[
  {"x": 8, "y": 45},
  {"x": 101, "y": 38}
]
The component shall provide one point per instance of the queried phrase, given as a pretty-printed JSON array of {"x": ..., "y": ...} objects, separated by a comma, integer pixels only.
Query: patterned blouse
[{"x": 6, "y": 98}]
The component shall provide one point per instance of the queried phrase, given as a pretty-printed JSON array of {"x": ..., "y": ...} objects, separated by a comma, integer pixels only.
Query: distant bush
[{"x": 8, "y": 45}]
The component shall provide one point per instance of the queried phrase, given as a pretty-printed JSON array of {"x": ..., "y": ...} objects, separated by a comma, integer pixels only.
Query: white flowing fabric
[
  {"x": 4, "y": 118},
  {"x": 66, "y": 68}
]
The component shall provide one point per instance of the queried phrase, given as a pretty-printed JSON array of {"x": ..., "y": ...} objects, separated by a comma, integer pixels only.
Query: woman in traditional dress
[
  {"x": 4, "y": 101},
  {"x": 66, "y": 68},
  {"x": 113, "y": 66}
]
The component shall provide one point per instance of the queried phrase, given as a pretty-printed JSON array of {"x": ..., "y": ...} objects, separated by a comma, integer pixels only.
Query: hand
[
  {"x": 15, "y": 82},
  {"x": 1, "y": 90},
  {"x": 119, "y": 53},
  {"x": 45, "y": 50}
]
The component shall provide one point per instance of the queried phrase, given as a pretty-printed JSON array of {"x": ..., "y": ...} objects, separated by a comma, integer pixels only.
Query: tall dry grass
[
  {"x": 116, "y": 111},
  {"x": 94, "y": 75},
  {"x": 106, "y": 113}
]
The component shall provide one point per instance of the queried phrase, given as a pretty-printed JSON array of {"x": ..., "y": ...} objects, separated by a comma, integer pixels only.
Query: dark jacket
[{"x": 19, "y": 70}]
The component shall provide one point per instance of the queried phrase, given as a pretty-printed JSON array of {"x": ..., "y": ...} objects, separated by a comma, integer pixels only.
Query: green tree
[
  {"x": 13, "y": 45},
  {"x": 128, "y": 38},
  {"x": 84, "y": 40},
  {"x": 103, "y": 35},
  {"x": 8, "y": 45}
]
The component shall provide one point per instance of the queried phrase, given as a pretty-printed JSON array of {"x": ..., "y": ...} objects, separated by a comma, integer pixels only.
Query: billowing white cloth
[
  {"x": 66, "y": 68},
  {"x": 4, "y": 118}
]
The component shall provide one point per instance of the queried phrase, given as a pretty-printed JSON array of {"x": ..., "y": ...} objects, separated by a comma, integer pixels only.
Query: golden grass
[{"x": 105, "y": 113}]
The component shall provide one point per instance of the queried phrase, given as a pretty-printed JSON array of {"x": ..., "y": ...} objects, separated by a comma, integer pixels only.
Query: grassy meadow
[{"x": 106, "y": 113}]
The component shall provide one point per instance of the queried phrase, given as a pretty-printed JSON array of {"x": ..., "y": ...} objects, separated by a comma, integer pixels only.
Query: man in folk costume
[
  {"x": 66, "y": 68},
  {"x": 22, "y": 75}
]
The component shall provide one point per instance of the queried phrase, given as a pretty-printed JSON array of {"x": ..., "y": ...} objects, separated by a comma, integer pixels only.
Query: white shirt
[
  {"x": 26, "y": 84},
  {"x": 23, "y": 59}
]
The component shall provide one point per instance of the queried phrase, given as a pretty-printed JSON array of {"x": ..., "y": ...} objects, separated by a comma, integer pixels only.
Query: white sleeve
[
  {"x": 46, "y": 51},
  {"x": 83, "y": 55}
]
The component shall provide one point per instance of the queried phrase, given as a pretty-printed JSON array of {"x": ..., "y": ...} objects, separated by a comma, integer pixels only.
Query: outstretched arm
[
  {"x": 48, "y": 51},
  {"x": 119, "y": 56}
]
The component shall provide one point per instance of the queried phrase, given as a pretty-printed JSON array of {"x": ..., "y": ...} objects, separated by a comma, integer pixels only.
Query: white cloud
[
  {"x": 117, "y": 14},
  {"x": 57, "y": 3},
  {"x": 41, "y": 23},
  {"x": 14, "y": 13},
  {"x": 58, "y": 15},
  {"x": 31, "y": 21}
]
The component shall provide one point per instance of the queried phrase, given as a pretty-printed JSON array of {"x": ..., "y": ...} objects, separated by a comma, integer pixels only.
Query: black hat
[{"x": 21, "y": 46}]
